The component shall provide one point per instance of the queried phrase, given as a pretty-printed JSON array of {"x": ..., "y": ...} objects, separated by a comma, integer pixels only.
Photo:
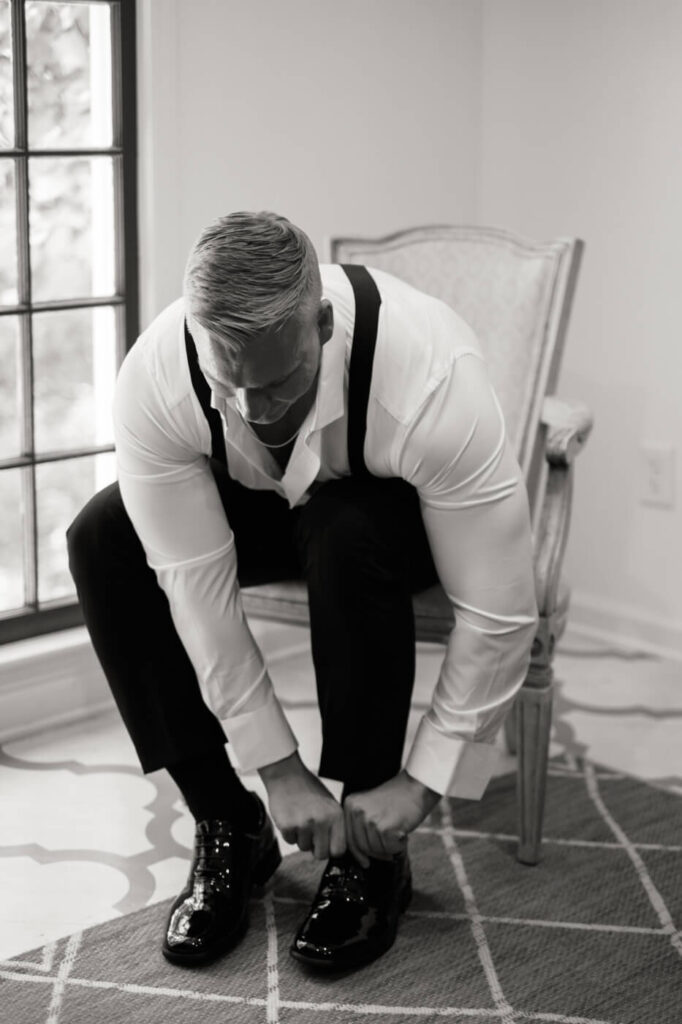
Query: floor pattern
[
  {"x": 85, "y": 837},
  {"x": 468, "y": 949}
]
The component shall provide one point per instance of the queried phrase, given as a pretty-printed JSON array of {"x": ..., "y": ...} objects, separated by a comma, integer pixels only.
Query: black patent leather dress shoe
[
  {"x": 211, "y": 914},
  {"x": 354, "y": 916}
]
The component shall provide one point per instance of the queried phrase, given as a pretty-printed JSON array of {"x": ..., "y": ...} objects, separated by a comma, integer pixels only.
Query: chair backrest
[{"x": 514, "y": 293}]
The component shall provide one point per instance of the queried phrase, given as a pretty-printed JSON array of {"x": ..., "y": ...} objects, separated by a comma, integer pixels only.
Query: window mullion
[
  {"x": 85, "y": 151},
  {"x": 30, "y": 520},
  {"x": 28, "y": 476},
  {"x": 20, "y": 82},
  {"x": 125, "y": 135},
  {"x": 117, "y": 125},
  {"x": 21, "y": 141},
  {"x": 116, "y": 78}
]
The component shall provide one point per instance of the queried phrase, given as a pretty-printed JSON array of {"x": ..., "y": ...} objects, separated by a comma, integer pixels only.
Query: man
[{"x": 369, "y": 476}]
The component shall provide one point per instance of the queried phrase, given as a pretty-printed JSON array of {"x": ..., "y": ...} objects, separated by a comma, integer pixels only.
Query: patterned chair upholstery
[{"x": 516, "y": 295}]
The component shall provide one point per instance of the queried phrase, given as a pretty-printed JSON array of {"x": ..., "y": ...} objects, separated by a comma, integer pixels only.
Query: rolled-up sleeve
[
  {"x": 172, "y": 500},
  {"x": 475, "y": 510}
]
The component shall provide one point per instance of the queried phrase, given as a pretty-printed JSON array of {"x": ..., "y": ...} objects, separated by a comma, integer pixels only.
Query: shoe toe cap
[{"x": 312, "y": 952}]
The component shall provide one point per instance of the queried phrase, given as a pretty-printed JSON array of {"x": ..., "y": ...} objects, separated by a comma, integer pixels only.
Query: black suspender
[
  {"x": 367, "y": 302},
  {"x": 203, "y": 393}
]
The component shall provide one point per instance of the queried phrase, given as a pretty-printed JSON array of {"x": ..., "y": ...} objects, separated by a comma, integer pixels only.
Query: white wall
[
  {"x": 360, "y": 116},
  {"x": 582, "y": 135}
]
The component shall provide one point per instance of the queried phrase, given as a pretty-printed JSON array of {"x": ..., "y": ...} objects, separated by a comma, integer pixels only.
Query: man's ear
[{"x": 325, "y": 320}]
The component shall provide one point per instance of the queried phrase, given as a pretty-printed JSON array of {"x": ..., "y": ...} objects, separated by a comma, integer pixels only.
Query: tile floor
[{"x": 85, "y": 837}]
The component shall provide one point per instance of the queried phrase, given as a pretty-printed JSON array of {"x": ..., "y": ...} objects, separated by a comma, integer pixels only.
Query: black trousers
[{"x": 361, "y": 547}]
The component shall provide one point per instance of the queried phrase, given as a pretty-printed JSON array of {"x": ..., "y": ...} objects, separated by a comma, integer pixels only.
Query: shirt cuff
[
  {"x": 260, "y": 737},
  {"x": 450, "y": 765}
]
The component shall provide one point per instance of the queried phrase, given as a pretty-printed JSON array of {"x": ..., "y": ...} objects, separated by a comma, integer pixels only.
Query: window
[{"x": 68, "y": 283}]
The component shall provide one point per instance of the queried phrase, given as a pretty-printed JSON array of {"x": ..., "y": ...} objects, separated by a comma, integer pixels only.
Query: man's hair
[{"x": 248, "y": 273}]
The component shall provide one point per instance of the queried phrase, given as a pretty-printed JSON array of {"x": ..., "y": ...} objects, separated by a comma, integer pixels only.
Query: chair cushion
[
  {"x": 282, "y": 602},
  {"x": 288, "y": 602},
  {"x": 433, "y": 616}
]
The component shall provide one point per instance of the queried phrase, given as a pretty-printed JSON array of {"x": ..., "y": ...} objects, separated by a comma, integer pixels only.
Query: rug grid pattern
[{"x": 579, "y": 953}]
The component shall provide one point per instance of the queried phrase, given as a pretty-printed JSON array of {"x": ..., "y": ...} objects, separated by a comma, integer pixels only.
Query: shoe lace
[
  {"x": 344, "y": 877},
  {"x": 213, "y": 855}
]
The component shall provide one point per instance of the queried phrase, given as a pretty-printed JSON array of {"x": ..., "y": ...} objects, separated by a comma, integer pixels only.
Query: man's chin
[
  {"x": 267, "y": 422},
  {"x": 261, "y": 421}
]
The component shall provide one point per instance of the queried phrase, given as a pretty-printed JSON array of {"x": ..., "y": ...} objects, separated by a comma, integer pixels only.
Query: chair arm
[{"x": 568, "y": 426}]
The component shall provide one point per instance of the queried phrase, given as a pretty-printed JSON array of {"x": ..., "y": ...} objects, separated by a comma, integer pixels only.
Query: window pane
[
  {"x": 71, "y": 227},
  {"x": 74, "y": 370},
  {"x": 10, "y": 388},
  {"x": 68, "y": 53},
  {"x": 63, "y": 488},
  {"x": 11, "y": 540},
  {"x": 9, "y": 295},
  {"x": 6, "y": 72}
]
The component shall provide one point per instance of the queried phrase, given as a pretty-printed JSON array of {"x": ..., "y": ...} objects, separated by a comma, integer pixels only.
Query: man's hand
[
  {"x": 303, "y": 808},
  {"x": 378, "y": 821}
]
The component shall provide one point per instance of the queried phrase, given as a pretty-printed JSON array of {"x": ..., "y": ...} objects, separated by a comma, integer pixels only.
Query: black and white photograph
[{"x": 340, "y": 491}]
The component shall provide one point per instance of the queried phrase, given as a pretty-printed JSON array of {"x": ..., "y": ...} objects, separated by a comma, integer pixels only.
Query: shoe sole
[
  {"x": 262, "y": 873},
  {"x": 359, "y": 961}
]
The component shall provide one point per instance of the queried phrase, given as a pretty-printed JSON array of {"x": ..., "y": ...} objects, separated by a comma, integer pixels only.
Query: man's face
[{"x": 274, "y": 370}]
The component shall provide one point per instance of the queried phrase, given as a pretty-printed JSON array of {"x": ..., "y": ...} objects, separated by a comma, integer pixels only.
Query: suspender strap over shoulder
[
  {"x": 203, "y": 393},
  {"x": 367, "y": 302}
]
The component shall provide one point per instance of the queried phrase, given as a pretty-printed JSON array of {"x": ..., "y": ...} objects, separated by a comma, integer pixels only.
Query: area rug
[{"x": 589, "y": 936}]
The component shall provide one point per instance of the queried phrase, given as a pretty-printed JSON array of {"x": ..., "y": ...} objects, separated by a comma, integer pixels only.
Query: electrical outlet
[{"x": 657, "y": 475}]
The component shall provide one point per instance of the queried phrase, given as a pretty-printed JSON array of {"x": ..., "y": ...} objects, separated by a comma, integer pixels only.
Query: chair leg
[
  {"x": 510, "y": 728},
  {"x": 534, "y": 716}
]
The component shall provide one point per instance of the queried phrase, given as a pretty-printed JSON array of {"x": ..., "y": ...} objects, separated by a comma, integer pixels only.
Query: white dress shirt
[{"x": 434, "y": 420}]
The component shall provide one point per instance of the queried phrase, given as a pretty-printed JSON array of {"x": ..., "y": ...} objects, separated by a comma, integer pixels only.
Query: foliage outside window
[{"x": 68, "y": 290}]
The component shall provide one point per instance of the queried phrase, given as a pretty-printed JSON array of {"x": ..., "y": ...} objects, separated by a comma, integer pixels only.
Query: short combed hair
[{"x": 248, "y": 273}]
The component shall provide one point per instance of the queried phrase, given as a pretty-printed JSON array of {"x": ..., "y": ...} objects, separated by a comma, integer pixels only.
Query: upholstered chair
[{"x": 516, "y": 295}]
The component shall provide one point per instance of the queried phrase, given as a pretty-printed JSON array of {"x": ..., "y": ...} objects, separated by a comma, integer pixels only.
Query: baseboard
[
  {"x": 50, "y": 680},
  {"x": 624, "y": 626}
]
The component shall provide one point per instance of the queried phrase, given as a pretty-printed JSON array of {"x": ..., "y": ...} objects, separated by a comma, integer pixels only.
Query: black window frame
[{"x": 35, "y": 618}]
